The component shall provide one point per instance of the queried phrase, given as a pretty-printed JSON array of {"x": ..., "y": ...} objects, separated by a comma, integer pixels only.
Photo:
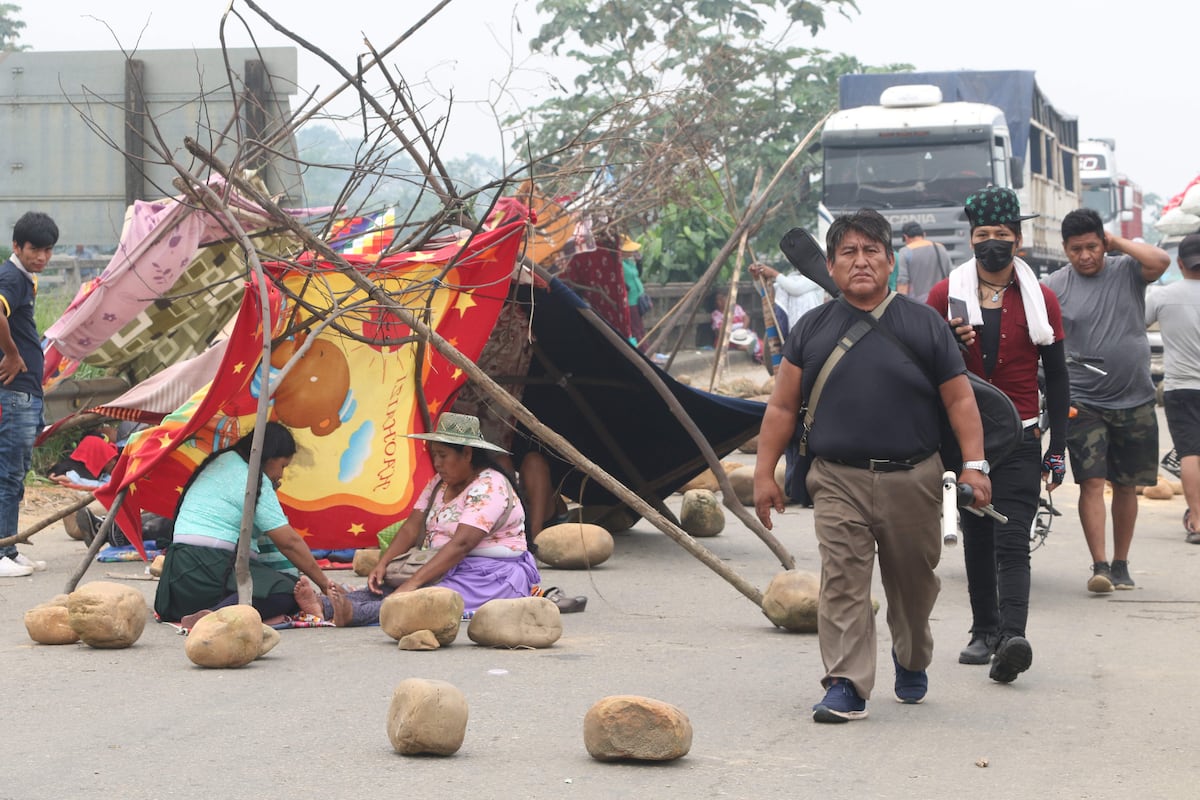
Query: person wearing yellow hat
[{"x": 631, "y": 253}]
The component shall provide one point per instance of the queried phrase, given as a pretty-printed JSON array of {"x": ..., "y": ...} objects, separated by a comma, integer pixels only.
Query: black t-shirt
[
  {"x": 17, "y": 291},
  {"x": 876, "y": 403}
]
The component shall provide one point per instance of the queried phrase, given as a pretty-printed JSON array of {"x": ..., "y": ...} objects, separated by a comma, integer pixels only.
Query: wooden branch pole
[
  {"x": 37, "y": 527},
  {"x": 493, "y": 389},
  {"x": 98, "y": 542},
  {"x": 701, "y": 286},
  {"x": 727, "y": 318}
]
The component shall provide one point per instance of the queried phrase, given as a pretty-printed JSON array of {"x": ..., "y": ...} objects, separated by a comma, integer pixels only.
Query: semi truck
[
  {"x": 1112, "y": 195},
  {"x": 914, "y": 145}
]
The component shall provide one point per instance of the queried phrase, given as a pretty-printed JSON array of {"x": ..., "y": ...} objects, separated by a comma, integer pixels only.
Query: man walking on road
[
  {"x": 1114, "y": 435},
  {"x": 1176, "y": 309},
  {"x": 34, "y": 237},
  {"x": 920, "y": 264},
  {"x": 1013, "y": 323},
  {"x": 876, "y": 476}
]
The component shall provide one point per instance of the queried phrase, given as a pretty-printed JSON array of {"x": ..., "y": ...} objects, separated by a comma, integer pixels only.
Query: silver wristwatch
[{"x": 982, "y": 466}]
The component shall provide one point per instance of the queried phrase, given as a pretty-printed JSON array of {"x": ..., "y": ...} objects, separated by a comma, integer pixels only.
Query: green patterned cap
[
  {"x": 459, "y": 429},
  {"x": 994, "y": 206}
]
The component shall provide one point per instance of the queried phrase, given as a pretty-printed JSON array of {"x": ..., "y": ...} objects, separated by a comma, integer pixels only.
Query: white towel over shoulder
[{"x": 964, "y": 284}]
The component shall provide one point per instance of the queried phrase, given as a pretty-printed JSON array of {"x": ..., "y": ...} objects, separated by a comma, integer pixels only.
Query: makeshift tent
[{"x": 347, "y": 402}]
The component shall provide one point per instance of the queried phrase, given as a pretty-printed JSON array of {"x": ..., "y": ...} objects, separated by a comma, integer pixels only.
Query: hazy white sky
[{"x": 1124, "y": 75}]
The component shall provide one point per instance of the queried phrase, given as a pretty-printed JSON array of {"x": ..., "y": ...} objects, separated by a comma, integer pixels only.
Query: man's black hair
[
  {"x": 1081, "y": 222},
  {"x": 866, "y": 221},
  {"x": 35, "y": 228}
]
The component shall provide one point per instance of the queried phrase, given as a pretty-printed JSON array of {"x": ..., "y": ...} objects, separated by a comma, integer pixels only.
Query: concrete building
[{"x": 80, "y": 131}]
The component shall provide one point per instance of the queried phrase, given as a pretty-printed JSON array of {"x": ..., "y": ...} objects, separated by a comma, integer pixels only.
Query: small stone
[
  {"x": 768, "y": 387},
  {"x": 270, "y": 638},
  {"x": 981, "y": 762},
  {"x": 613, "y": 519},
  {"x": 1159, "y": 491},
  {"x": 107, "y": 615},
  {"x": 701, "y": 514},
  {"x": 628, "y": 727},
  {"x": 50, "y": 622},
  {"x": 156, "y": 566},
  {"x": 365, "y": 561},
  {"x": 518, "y": 622},
  {"x": 427, "y": 716},
  {"x": 749, "y": 446},
  {"x": 419, "y": 640},
  {"x": 228, "y": 638},
  {"x": 430, "y": 608},
  {"x": 742, "y": 483},
  {"x": 706, "y": 479},
  {"x": 574, "y": 545},
  {"x": 791, "y": 599}
]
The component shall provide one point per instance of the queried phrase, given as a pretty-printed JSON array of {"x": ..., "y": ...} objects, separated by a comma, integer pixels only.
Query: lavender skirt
[{"x": 478, "y": 579}]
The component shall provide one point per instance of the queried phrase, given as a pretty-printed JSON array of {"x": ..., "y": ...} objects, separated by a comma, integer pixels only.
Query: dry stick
[
  {"x": 98, "y": 541},
  {"x": 727, "y": 317},
  {"x": 710, "y": 456},
  {"x": 493, "y": 389},
  {"x": 710, "y": 274},
  {"x": 37, "y": 527}
]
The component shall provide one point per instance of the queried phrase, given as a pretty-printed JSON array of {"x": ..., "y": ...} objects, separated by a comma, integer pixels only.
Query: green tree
[
  {"x": 10, "y": 27},
  {"x": 689, "y": 101}
]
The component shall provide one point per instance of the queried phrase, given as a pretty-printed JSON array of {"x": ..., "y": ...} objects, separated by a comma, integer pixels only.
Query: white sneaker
[
  {"x": 11, "y": 569},
  {"x": 25, "y": 561}
]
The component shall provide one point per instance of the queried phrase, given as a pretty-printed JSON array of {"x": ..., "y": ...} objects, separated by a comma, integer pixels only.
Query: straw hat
[
  {"x": 459, "y": 429},
  {"x": 741, "y": 337},
  {"x": 629, "y": 245}
]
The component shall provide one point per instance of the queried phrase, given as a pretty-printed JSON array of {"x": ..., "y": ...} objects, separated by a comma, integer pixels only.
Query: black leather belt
[{"x": 882, "y": 464}]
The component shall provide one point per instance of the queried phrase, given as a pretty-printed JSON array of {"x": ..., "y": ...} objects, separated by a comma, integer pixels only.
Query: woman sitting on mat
[
  {"x": 198, "y": 574},
  {"x": 470, "y": 514}
]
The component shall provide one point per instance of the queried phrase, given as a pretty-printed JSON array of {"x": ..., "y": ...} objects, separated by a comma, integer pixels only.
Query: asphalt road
[{"x": 1106, "y": 710}]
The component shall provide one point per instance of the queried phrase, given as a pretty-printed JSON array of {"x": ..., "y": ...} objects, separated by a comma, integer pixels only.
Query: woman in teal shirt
[{"x": 198, "y": 574}]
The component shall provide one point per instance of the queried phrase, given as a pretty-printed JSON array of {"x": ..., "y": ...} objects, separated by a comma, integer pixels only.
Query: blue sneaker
[
  {"x": 911, "y": 685},
  {"x": 841, "y": 703}
]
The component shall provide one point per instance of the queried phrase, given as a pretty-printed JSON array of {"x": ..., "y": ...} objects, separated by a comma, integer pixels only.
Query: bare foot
[
  {"x": 343, "y": 612},
  {"x": 307, "y": 599},
  {"x": 189, "y": 621}
]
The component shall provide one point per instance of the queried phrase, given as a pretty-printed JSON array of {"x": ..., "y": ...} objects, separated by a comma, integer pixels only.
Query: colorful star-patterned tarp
[{"x": 347, "y": 402}]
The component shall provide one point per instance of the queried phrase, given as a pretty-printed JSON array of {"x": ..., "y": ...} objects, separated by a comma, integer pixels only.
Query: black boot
[{"x": 980, "y": 650}]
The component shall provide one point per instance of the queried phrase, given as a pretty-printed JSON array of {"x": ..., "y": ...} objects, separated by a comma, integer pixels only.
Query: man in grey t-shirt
[
  {"x": 1176, "y": 309},
  {"x": 1114, "y": 435},
  {"x": 920, "y": 264}
]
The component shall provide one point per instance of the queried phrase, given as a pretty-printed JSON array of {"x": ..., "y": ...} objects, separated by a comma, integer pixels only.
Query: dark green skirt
[{"x": 196, "y": 578}]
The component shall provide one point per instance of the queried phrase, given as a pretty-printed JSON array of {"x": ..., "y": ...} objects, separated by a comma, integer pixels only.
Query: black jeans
[{"x": 997, "y": 555}]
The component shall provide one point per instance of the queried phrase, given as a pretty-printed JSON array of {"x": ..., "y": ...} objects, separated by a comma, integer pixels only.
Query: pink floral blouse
[{"x": 479, "y": 505}]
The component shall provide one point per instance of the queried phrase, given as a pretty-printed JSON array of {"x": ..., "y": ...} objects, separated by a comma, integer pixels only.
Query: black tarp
[{"x": 580, "y": 385}]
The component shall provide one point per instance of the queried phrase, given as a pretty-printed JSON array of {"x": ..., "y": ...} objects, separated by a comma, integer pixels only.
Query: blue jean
[{"x": 20, "y": 423}]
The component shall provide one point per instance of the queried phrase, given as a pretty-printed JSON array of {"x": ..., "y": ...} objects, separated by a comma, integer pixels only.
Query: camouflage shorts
[{"x": 1120, "y": 445}]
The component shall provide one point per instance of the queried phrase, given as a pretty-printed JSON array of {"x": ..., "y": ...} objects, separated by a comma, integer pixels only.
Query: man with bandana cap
[
  {"x": 1114, "y": 435},
  {"x": 1013, "y": 322}
]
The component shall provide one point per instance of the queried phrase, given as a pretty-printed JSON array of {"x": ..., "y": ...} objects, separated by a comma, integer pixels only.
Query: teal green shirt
[
  {"x": 633, "y": 281},
  {"x": 213, "y": 504}
]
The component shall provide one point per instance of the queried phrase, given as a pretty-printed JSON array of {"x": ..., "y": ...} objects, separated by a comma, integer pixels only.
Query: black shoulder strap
[
  {"x": 859, "y": 329},
  {"x": 873, "y": 321}
]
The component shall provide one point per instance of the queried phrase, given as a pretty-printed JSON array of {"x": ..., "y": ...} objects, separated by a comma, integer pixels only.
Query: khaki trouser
[{"x": 857, "y": 512}]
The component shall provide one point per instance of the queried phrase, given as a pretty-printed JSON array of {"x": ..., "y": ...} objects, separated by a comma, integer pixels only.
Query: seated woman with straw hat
[{"x": 469, "y": 515}]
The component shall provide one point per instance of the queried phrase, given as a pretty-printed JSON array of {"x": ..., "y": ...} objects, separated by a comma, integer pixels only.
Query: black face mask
[{"x": 994, "y": 254}]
